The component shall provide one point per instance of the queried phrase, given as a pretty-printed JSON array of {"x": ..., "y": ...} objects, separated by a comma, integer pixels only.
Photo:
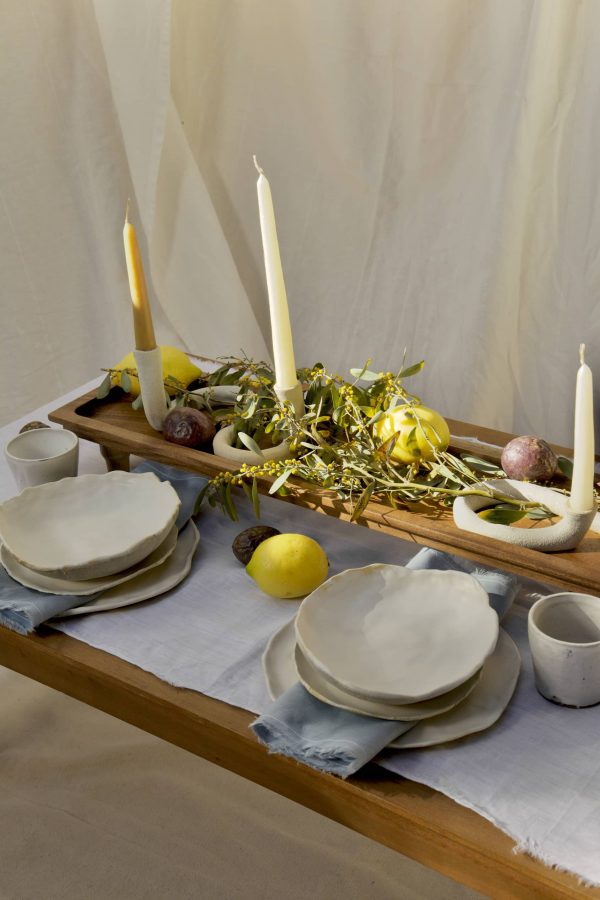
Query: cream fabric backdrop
[{"x": 434, "y": 167}]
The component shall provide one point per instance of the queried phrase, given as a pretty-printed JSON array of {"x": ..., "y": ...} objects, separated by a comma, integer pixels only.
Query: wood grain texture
[
  {"x": 405, "y": 816},
  {"x": 121, "y": 430}
]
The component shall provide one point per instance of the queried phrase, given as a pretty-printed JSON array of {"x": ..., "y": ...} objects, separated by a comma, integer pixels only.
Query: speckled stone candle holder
[
  {"x": 222, "y": 443},
  {"x": 222, "y": 446},
  {"x": 563, "y": 535}
]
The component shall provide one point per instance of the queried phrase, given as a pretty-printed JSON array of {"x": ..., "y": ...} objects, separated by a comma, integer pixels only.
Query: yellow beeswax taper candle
[{"x": 142, "y": 317}]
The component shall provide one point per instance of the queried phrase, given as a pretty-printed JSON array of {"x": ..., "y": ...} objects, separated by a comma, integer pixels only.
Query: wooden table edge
[{"x": 410, "y": 818}]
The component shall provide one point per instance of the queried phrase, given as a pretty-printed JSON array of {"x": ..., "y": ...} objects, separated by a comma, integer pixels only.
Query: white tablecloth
[{"x": 536, "y": 774}]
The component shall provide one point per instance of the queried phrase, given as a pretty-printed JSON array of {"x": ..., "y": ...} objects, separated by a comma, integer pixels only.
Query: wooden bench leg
[{"x": 115, "y": 458}]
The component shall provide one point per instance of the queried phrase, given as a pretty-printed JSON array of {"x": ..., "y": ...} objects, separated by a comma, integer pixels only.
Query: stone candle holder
[
  {"x": 150, "y": 374},
  {"x": 222, "y": 446},
  {"x": 563, "y": 535},
  {"x": 223, "y": 440}
]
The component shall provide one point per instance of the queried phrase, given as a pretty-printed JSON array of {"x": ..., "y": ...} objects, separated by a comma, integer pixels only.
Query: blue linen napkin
[
  {"x": 326, "y": 738},
  {"x": 23, "y": 609},
  {"x": 340, "y": 742}
]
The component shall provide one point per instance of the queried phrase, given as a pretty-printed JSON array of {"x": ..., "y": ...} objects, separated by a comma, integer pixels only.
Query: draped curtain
[{"x": 433, "y": 167}]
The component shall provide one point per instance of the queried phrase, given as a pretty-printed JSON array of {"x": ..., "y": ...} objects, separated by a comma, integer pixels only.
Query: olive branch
[{"x": 334, "y": 445}]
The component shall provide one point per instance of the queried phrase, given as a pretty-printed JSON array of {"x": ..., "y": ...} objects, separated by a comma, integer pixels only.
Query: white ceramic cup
[
  {"x": 41, "y": 455},
  {"x": 564, "y": 638}
]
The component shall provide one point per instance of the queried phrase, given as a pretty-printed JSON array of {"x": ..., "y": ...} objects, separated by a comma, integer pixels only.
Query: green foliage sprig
[{"x": 333, "y": 445}]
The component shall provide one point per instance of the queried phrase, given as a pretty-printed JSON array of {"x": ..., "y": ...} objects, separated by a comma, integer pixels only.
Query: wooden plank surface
[
  {"x": 405, "y": 816},
  {"x": 124, "y": 431}
]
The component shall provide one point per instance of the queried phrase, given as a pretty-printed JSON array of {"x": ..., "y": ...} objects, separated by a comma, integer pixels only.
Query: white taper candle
[
  {"x": 582, "y": 486},
  {"x": 283, "y": 349}
]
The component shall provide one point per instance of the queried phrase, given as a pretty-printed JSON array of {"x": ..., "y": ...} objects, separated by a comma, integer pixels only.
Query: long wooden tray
[{"x": 121, "y": 431}]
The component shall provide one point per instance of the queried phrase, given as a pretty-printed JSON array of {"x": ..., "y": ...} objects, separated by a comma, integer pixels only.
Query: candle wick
[
  {"x": 582, "y": 354},
  {"x": 258, "y": 168},
  {"x": 127, "y": 211}
]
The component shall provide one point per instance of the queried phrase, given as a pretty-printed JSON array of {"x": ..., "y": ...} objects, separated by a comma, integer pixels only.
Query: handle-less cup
[
  {"x": 41, "y": 455},
  {"x": 564, "y": 638}
]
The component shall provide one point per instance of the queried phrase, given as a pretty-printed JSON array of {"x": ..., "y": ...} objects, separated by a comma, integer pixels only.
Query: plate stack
[
  {"x": 394, "y": 643},
  {"x": 111, "y": 535}
]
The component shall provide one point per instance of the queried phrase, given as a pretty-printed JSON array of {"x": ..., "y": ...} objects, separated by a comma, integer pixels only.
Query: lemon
[
  {"x": 288, "y": 566},
  {"x": 418, "y": 430},
  {"x": 174, "y": 362}
]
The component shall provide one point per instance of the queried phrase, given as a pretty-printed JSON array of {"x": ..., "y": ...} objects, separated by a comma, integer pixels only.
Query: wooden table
[{"x": 408, "y": 817}]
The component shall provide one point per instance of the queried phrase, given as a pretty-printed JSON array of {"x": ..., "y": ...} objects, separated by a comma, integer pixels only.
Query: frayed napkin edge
[
  {"x": 17, "y": 621},
  {"x": 283, "y": 740}
]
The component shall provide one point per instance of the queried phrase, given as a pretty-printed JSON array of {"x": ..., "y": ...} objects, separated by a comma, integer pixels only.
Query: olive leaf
[
  {"x": 362, "y": 502},
  {"x": 125, "y": 382},
  {"x": 381, "y": 414},
  {"x": 358, "y": 373},
  {"x": 280, "y": 481},
  {"x": 501, "y": 515},
  {"x": 138, "y": 403},
  {"x": 540, "y": 514},
  {"x": 412, "y": 370},
  {"x": 566, "y": 466},
  {"x": 365, "y": 375},
  {"x": 228, "y": 502},
  {"x": 250, "y": 443},
  {"x": 200, "y": 498},
  {"x": 481, "y": 465},
  {"x": 255, "y": 498}
]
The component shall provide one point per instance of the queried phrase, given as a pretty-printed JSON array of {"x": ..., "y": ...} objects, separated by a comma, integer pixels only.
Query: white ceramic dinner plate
[
  {"x": 397, "y": 635},
  {"x": 50, "y": 584},
  {"x": 149, "y": 584},
  {"x": 319, "y": 686},
  {"x": 480, "y": 710},
  {"x": 88, "y": 526}
]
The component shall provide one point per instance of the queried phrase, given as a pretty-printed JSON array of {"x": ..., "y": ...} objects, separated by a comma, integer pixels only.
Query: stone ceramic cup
[
  {"x": 564, "y": 638},
  {"x": 41, "y": 455}
]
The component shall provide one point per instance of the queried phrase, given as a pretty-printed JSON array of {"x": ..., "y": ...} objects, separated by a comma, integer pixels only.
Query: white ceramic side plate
[
  {"x": 50, "y": 584},
  {"x": 397, "y": 635},
  {"x": 149, "y": 584},
  {"x": 89, "y": 526},
  {"x": 318, "y": 685},
  {"x": 282, "y": 668}
]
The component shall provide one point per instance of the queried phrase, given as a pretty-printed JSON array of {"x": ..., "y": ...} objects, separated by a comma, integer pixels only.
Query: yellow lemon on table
[
  {"x": 418, "y": 430},
  {"x": 288, "y": 566},
  {"x": 175, "y": 362}
]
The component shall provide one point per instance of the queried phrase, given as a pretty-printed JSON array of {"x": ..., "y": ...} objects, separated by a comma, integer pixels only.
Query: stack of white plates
[
  {"x": 394, "y": 643},
  {"x": 112, "y": 535}
]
